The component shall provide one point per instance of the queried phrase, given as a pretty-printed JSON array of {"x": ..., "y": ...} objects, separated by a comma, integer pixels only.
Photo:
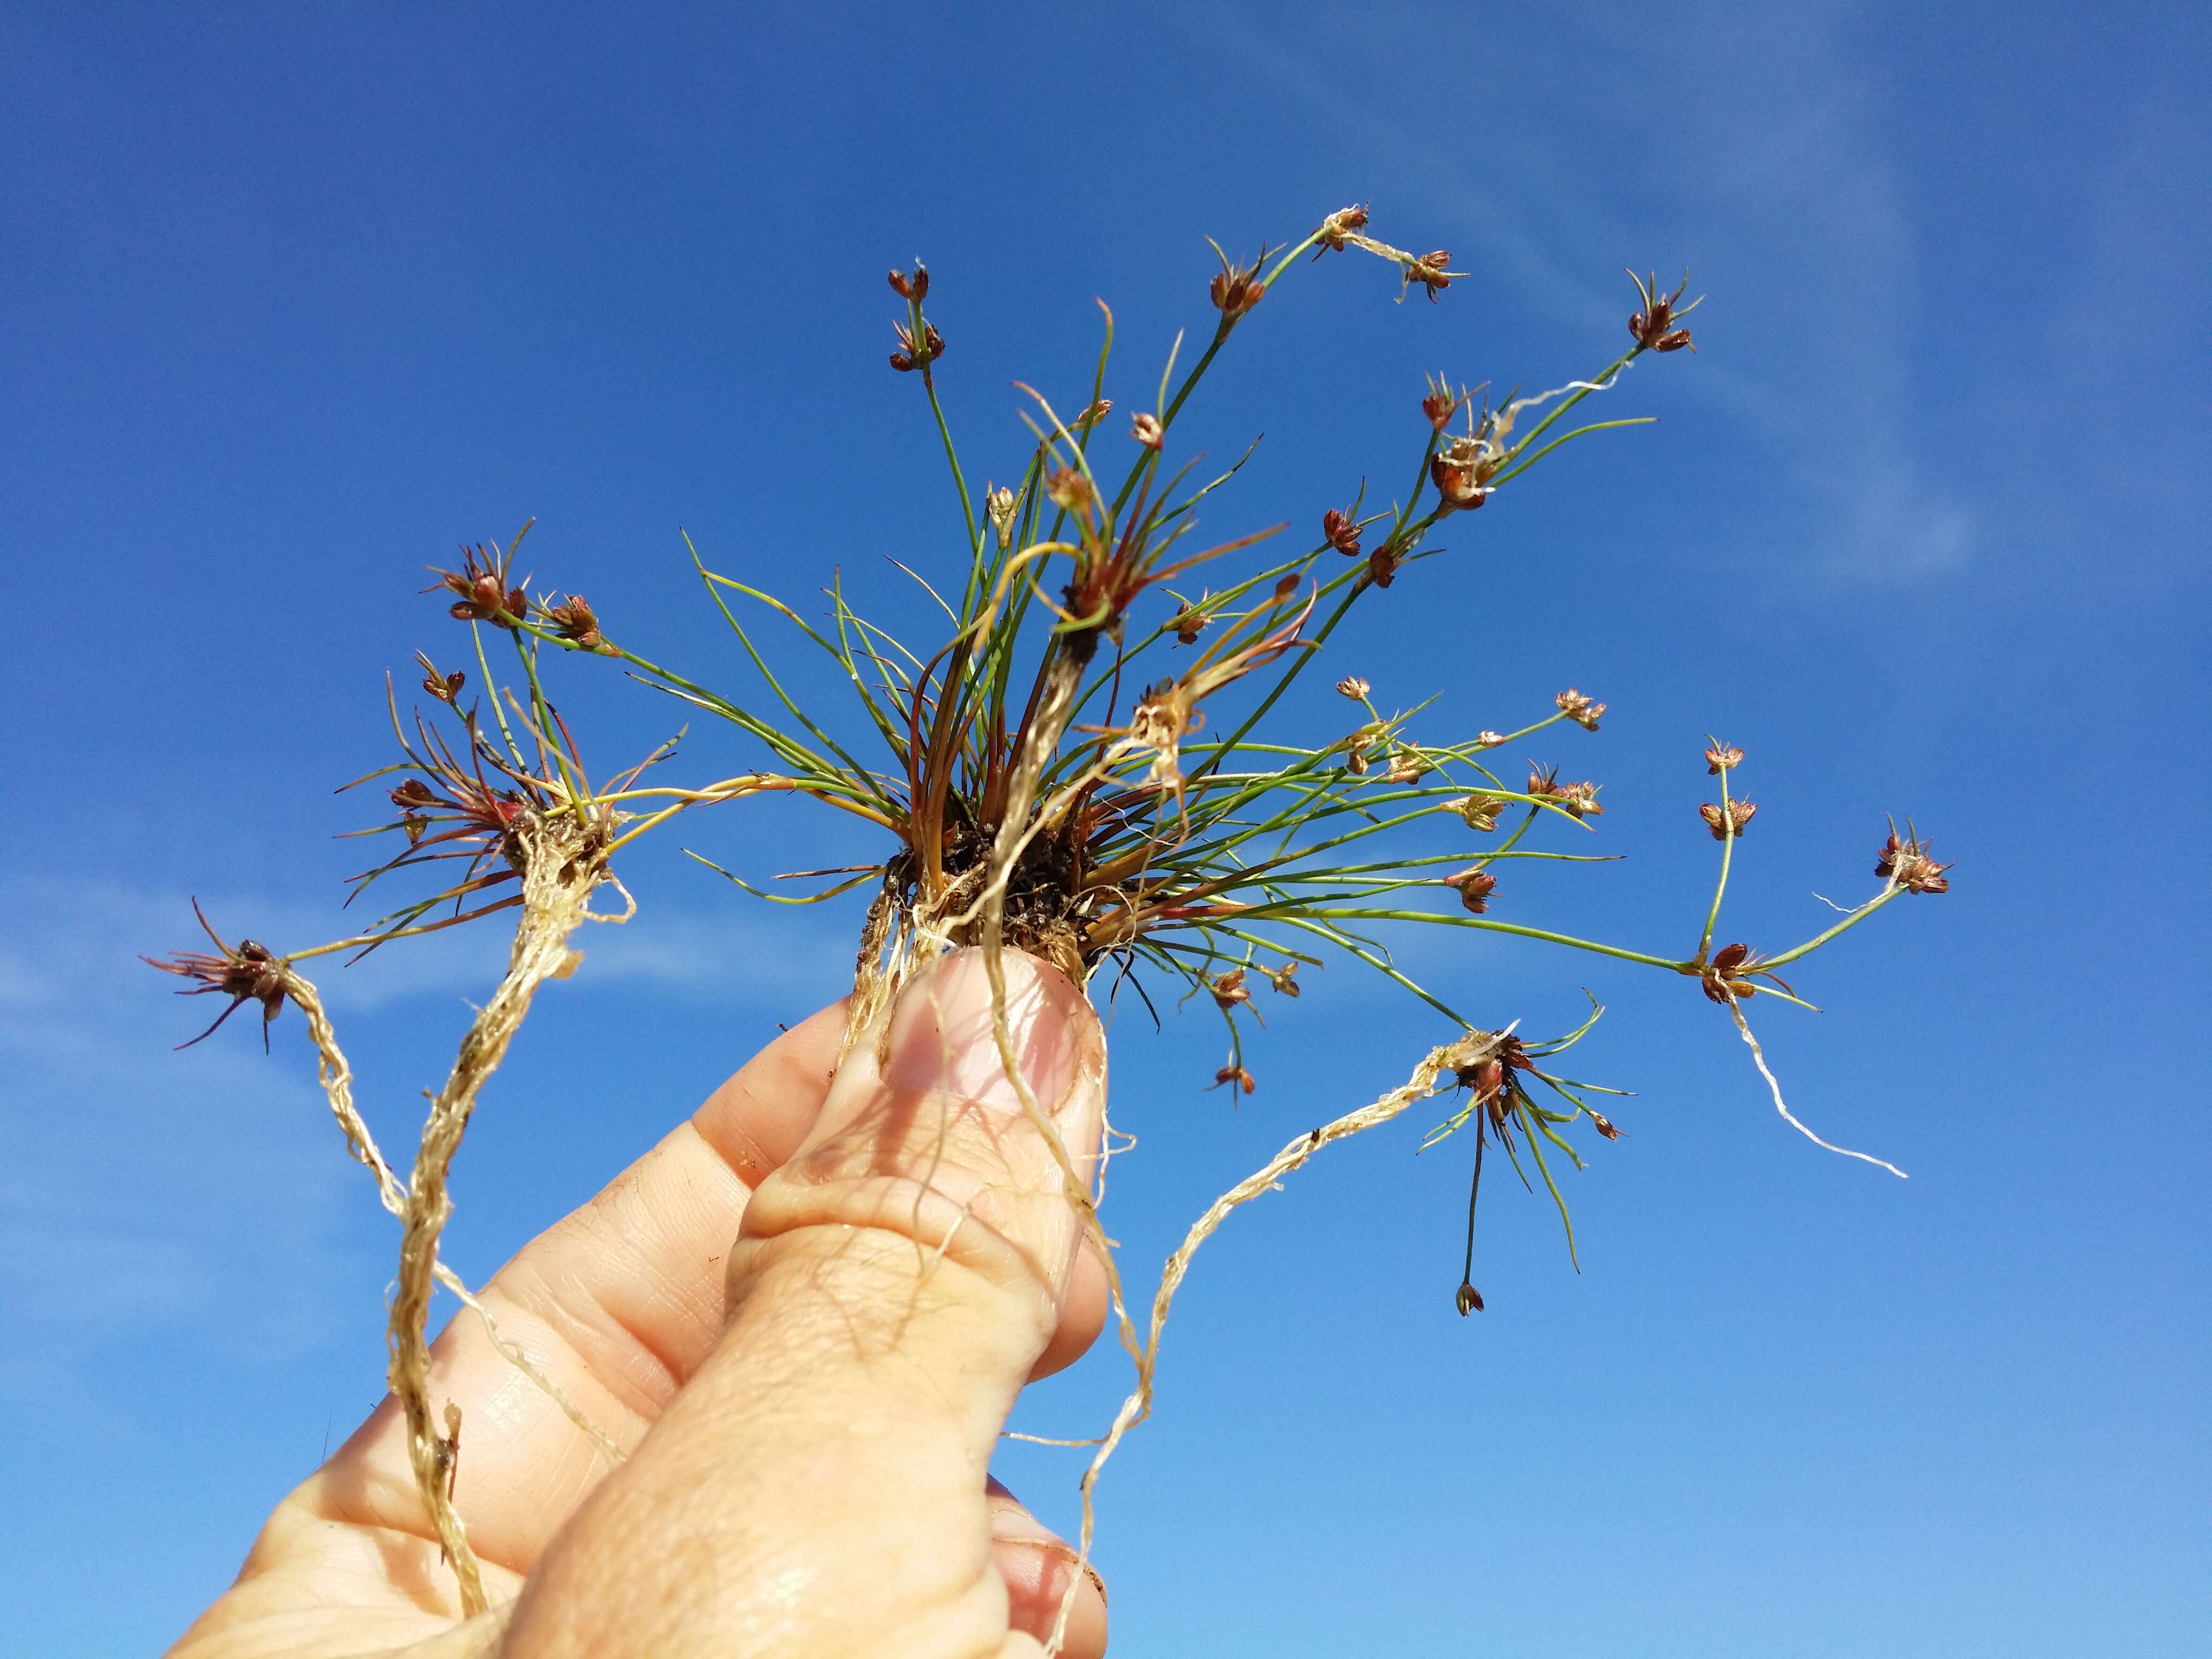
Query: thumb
[{"x": 819, "y": 1485}]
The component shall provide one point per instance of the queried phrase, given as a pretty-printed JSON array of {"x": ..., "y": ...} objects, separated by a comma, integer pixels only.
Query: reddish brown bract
[
  {"x": 1341, "y": 533},
  {"x": 576, "y": 623},
  {"x": 1739, "y": 813},
  {"x": 245, "y": 972},
  {"x": 1907, "y": 864},
  {"x": 1579, "y": 708},
  {"x": 444, "y": 687},
  {"x": 1236, "y": 289},
  {"x": 1653, "y": 327},
  {"x": 482, "y": 583},
  {"x": 1475, "y": 886},
  {"x": 1430, "y": 271}
]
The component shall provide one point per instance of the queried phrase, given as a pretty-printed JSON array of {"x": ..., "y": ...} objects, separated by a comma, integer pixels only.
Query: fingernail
[{"x": 942, "y": 1036}]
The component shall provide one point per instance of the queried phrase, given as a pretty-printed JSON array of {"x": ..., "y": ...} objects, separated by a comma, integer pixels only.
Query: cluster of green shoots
[{"x": 1046, "y": 777}]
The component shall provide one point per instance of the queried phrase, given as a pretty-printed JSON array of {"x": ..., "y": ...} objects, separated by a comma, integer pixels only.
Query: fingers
[
  {"x": 616, "y": 1304},
  {"x": 1038, "y": 1566},
  {"x": 818, "y": 1486}
]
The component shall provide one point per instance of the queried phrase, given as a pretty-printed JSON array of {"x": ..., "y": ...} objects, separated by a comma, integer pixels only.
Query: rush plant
[{"x": 1084, "y": 763}]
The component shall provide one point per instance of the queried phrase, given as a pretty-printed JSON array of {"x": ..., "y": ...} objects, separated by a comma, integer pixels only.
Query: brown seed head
[
  {"x": 444, "y": 687},
  {"x": 1338, "y": 224},
  {"x": 1462, "y": 484},
  {"x": 245, "y": 972},
  {"x": 1488, "y": 740},
  {"x": 1580, "y": 798},
  {"x": 1907, "y": 864},
  {"x": 1477, "y": 811},
  {"x": 1723, "y": 980},
  {"x": 483, "y": 584},
  {"x": 1237, "y": 1075},
  {"x": 1475, "y": 886},
  {"x": 1604, "y": 1126},
  {"x": 1236, "y": 288},
  {"x": 1147, "y": 430},
  {"x": 1406, "y": 766},
  {"x": 1091, "y": 417},
  {"x": 414, "y": 793},
  {"x": 1341, "y": 533},
  {"x": 1433, "y": 271},
  {"x": 1186, "y": 621},
  {"x": 1722, "y": 757},
  {"x": 576, "y": 623},
  {"x": 1440, "y": 405},
  {"x": 1284, "y": 978},
  {"x": 1466, "y": 1299},
  {"x": 1382, "y": 565},
  {"x": 1229, "y": 989},
  {"x": 1579, "y": 708},
  {"x": 1653, "y": 327},
  {"x": 1739, "y": 812},
  {"x": 1353, "y": 687},
  {"x": 917, "y": 353}
]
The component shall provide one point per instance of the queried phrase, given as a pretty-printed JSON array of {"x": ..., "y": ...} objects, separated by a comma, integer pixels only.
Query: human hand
[{"x": 809, "y": 1411}]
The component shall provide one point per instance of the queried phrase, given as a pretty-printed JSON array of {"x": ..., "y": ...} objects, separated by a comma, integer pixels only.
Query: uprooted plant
[{"x": 1048, "y": 780}]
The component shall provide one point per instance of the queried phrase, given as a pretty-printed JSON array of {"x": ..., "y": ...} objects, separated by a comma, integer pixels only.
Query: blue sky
[{"x": 298, "y": 298}]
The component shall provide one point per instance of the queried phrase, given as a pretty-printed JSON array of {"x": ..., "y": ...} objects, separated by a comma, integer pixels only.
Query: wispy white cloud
[{"x": 1754, "y": 142}]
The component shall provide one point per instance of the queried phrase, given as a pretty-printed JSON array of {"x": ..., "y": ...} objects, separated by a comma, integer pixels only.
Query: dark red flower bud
[{"x": 1467, "y": 1300}]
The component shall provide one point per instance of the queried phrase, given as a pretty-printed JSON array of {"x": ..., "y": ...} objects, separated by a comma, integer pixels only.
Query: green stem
[
  {"x": 1728, "y": 847},
  {"x": 1524, "y": 933},
  {"x": 1848, "y": 922}
]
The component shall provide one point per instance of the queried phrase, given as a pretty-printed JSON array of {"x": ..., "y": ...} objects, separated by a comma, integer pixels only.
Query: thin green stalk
[
  {"x": 1490, "y": 926},
  {"x": 1848, "y": 922},
  {"x": 1720, "y": 888}
]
